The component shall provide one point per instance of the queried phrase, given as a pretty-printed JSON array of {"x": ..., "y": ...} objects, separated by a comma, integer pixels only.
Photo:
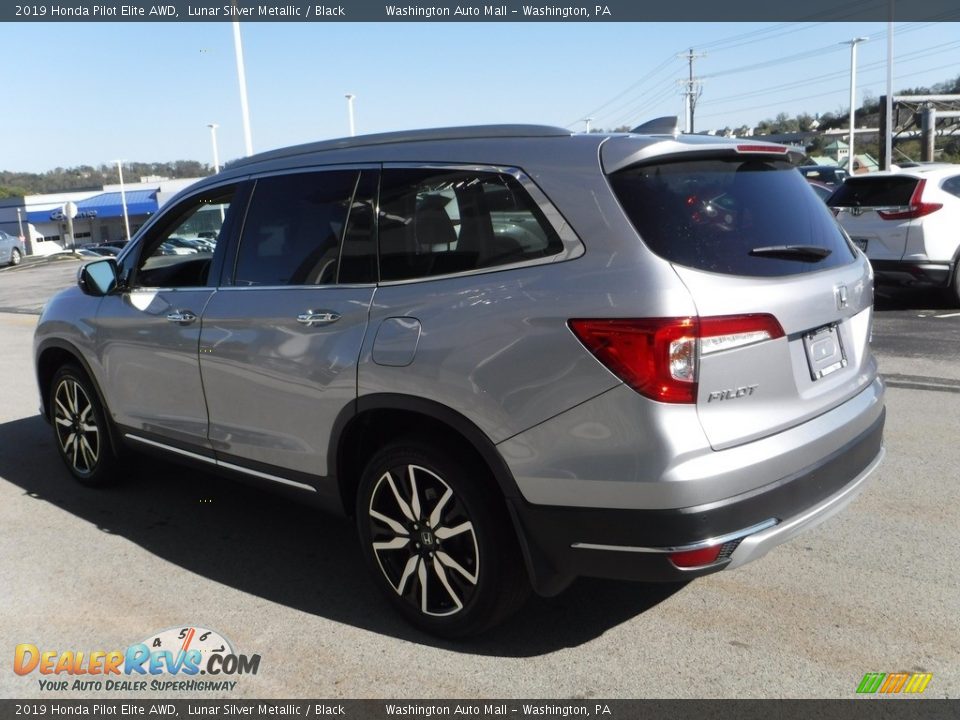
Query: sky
[{"x": 90, "y": 93}]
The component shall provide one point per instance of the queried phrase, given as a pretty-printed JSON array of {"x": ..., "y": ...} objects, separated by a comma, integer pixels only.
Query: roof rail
[{"x": 404, "y": 136}]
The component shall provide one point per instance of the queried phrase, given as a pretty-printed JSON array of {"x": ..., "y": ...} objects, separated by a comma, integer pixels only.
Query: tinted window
[
  {"x": 294, "y": 227},
  {"x": 715, "y": 214},
  {"x": 436, "y": 222},
  {"x": 884, "y": 191},
  {"x": 952, "y": 185}
]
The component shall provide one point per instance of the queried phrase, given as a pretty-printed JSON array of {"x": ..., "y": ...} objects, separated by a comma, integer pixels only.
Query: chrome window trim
[
  {"x": 220, "y": 463},
  {"x": 709, "y": 542}
]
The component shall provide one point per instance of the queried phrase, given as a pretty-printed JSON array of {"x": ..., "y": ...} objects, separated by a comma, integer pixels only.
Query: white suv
[{"x": 906, "y": 222}]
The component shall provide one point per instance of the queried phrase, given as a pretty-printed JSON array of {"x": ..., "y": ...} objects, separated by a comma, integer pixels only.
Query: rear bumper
[
  {"x": 912, "y": 274},
  {"x": 563, "y": 543}
]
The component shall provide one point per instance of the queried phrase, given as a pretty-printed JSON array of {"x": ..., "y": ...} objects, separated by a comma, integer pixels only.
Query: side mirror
[{"x": 99, "y": 277}]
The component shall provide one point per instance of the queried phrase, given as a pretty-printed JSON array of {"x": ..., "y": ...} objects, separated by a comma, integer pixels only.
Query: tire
[
  {"x": 15, "y": 257},
  {"x": 953, "y": 291},
  {"x": 80, "y": 428},
  {"x": 438, "y": 541}
]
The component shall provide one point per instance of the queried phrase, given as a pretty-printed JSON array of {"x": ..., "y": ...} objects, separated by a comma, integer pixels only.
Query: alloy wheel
[
  {"x": 76, "y": 426},
  {"x": 423, "y": 540}
]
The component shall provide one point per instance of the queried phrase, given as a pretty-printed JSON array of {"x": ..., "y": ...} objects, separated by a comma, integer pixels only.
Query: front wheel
[
  {"x": 438, "y": 540},
  {"x": 15, "y": 257},
  {"x": 80, "y": 427}
]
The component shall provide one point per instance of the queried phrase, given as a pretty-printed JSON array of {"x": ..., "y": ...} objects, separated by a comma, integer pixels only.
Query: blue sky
[{"x": 88, "y": 93}]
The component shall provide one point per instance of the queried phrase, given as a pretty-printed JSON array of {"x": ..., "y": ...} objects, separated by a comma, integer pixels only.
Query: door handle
[
  {"x": 317, "y": 317},
  {"x": 183, "y": 317}
]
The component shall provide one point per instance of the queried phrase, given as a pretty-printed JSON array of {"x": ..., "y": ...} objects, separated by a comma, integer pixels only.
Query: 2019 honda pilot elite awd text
[{"x": 516, "y": 355}]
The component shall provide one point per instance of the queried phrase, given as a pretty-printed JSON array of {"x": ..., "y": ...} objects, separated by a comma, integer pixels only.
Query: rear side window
[
  {"x": 872, "y": 192},
  {"x": 437, "y": 222},
  {"x": 952, "y": 185},
  {"x": 295, "y": 227},
  {"x": 737, "y": 216}
]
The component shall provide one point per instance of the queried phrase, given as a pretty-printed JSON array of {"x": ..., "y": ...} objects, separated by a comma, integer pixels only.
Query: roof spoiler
[{"x": 666, "y": 125}]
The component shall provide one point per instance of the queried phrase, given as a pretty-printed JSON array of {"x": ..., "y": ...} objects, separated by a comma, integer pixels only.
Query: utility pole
[
  {"x": 853, "y": 95},
  {"x": 694, "y": 88}
]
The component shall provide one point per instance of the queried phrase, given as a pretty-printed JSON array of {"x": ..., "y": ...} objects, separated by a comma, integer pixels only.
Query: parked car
[
  {"x": 515, "y": 355},
  {"x": 103, "y": 250},
  {"x": 829, "y": 175},
  {"x": 906, "y": 222},
  {"x": 11, "y": 249},
  {"x": 823, "y": 191}
]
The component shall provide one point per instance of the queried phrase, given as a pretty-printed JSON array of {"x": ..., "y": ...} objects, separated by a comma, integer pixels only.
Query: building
[{"x": 41, "y": 221}]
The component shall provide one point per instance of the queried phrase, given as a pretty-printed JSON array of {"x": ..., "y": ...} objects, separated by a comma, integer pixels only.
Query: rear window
[
  {"x": 872, "y": 192},
  {"x": 731, "y": 215}
]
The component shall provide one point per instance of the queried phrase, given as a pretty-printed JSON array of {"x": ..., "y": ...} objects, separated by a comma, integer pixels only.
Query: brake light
[
  {"x": 659, "y": 357},
  {"x": 916, "y": 209},
  {"x": 773, "y": 149}
]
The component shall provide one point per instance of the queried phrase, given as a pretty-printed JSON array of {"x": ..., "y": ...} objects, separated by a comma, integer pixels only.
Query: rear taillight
[
  {"x": 658, "y": 357},
  {"x": 916, "y": 209}
]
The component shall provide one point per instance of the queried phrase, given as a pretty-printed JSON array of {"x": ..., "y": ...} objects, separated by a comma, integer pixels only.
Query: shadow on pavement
[
  {"x": 887, "y": 298},
  {"x": 286, "y": 552}
]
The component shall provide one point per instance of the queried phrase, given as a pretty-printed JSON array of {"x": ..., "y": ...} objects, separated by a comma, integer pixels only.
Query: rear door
[
  {"x": 281, "y": 339},
  {"x": 760, "y": 254},
  {"x": 870, "y": 209}
]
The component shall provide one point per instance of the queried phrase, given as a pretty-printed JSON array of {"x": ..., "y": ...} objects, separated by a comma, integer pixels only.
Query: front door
[{"x": 148, "y": 336}]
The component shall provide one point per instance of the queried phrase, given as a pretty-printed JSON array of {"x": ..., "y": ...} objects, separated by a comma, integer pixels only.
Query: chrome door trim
[{"x": 220, "y": 463}]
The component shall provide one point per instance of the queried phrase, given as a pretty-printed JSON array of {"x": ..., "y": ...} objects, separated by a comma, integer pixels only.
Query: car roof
[{"x": 938, "y": 170}]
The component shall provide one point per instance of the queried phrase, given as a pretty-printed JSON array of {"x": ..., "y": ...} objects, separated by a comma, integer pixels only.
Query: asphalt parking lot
[{"x": 872, "y": 590}]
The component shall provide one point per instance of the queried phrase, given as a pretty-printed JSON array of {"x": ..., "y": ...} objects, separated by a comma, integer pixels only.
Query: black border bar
[
  {"x": 865, "y": 708},
  {"x": 322, "y": 11}
]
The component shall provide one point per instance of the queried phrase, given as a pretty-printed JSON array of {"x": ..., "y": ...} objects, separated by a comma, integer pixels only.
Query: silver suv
[{"x": 515, "y": 355}]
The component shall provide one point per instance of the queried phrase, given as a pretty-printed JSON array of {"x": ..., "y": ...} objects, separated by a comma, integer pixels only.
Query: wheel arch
[
  {"x": 53, "y": 354},
  {"x": 375, "y": 420}
]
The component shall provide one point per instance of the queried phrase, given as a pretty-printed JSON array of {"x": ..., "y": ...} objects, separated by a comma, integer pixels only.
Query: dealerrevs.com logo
[{"x": 173, "y": 659}]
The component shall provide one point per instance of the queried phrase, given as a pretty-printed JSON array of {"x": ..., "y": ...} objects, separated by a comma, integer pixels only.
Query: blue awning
[{"x": 105, "y": 205}]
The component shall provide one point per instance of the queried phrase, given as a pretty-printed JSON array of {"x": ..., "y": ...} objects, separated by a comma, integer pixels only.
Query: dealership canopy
[{"x": 105, "y": 205}]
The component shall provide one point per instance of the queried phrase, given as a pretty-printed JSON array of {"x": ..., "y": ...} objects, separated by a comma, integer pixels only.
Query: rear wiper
[{"x": 792, "y": 252}]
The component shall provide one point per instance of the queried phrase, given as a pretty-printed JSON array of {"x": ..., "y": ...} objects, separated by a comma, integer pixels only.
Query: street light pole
[
  {"x": 853, "y": 94},
  {"x": 242, "y": 78},
  {"x": 587, "y": 122},
  {"x": 213, "y": 139},
  {"x": 123, "y": 200},
  {"x": 350, "y": 97}
]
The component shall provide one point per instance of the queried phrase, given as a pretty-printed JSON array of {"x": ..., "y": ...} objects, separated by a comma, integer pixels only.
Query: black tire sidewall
[{"x": 497, "y": 554}]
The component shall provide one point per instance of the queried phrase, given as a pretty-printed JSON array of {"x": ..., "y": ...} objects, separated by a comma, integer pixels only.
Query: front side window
[
  {"x": 443, "y": 221},
  {"x": 295, "y": 226},
  {"x": 179, "y": 252}
]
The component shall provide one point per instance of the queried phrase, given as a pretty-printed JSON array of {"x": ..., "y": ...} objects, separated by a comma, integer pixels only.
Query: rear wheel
[
  {"x": 953, "y": 292},
  {"x": 80, "y": 427},
  {"x": 15, "y": 257},
  {"x": 438, "y": 540}
]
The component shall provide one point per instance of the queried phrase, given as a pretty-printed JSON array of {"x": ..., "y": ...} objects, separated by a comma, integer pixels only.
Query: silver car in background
[
  {"x": 11, "y": 249},
  {"x": 515, "y": 355}
]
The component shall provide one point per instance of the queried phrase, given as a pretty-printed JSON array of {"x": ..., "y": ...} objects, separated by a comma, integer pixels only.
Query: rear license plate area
[{"x": 825, "y": 353}]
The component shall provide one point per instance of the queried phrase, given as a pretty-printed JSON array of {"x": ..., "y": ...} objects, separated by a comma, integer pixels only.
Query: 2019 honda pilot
[{"x": 515, "y": 355}]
